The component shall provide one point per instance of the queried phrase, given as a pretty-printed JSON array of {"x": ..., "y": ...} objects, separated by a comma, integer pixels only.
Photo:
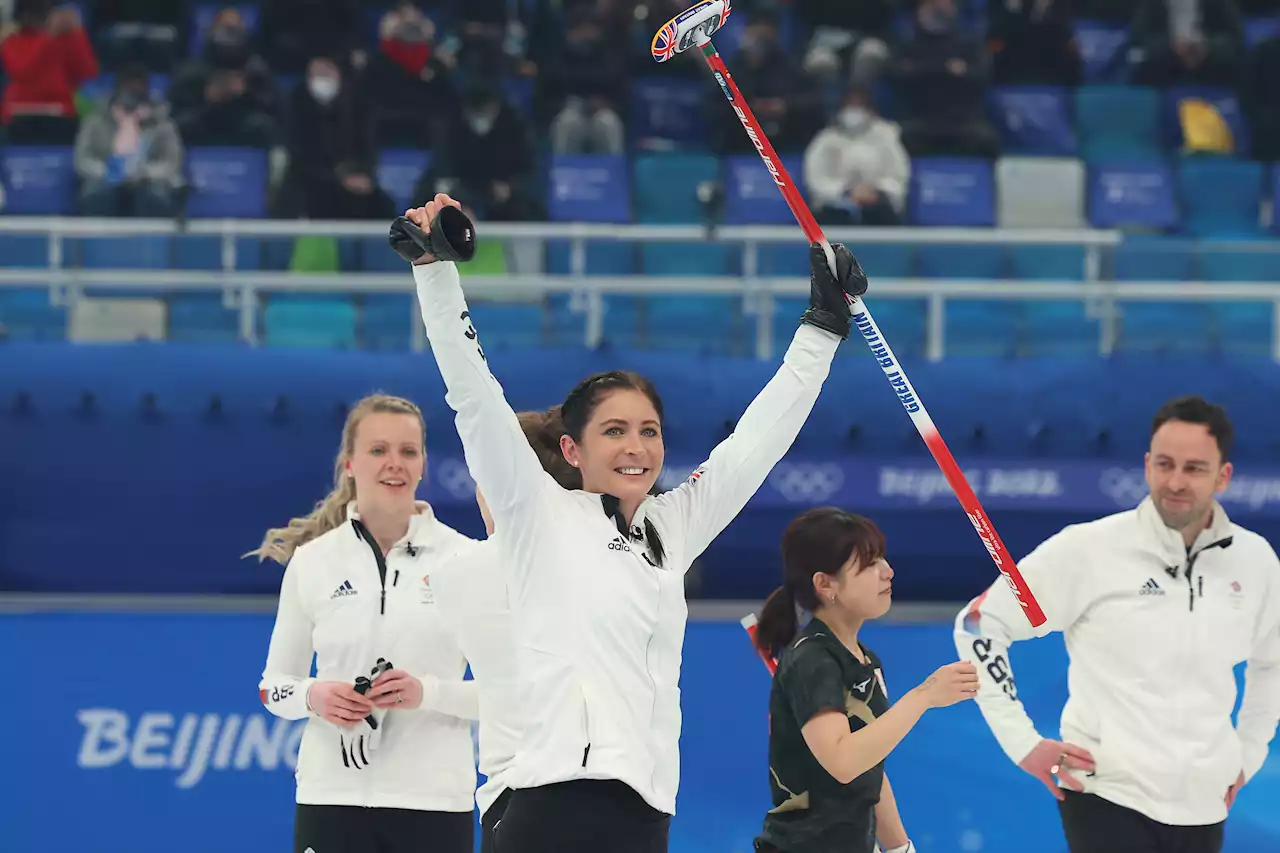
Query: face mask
[
  {"x": 854, "y": 119},
  {"x": 323, "y": 89},
  {"x": 481, "y": 122}
]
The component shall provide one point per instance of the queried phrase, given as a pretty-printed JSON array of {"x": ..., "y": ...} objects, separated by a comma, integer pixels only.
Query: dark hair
[
  {"x": 580, "y": 405},
  {"x": 817, "y": 540},
  {"x": 543, "y": 430},
  {"x": 582, "y": 401},
  {"x": 1197, "y": 410}
]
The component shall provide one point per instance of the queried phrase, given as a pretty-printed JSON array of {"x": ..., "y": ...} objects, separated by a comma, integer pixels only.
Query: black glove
[
  {"x": 829, "y": 295},
  {"x": 452, "y": 237}
]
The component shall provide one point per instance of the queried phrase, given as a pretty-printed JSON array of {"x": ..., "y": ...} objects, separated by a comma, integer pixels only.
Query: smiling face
[
  {"x": 620, "y": 450},
  {"x": 1185, "y": 471},
  {"x": 386, "y": 462}
]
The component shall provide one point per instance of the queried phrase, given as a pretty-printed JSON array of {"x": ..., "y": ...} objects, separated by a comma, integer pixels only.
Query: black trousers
[
  {"x": 489, "y": 822},
  {"x": 1095, "y": 825},
  {"x": 583, "y": 816},
  {"x": 354, "y": 829}
]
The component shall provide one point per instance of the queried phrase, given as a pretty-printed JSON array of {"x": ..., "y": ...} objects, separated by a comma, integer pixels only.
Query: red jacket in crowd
[{"x": 44, "y": 71}]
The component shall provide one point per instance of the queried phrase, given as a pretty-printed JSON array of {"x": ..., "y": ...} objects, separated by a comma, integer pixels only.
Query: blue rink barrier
[{"x": 142, "y": 733}]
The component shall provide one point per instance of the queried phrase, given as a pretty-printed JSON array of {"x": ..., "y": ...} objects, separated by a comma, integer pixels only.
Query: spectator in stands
[
  {"x": 488, "y": 156},
  {"x": 408, "y": 82},
  {"x": 941, "y": 79},
  {"x": 332, "y": 152},
  {"x": 128, "y": 153},
  {"x": 1188, "y": 41},
  {"x": 294, "y": 31},
  {"x": 847, "y": 39},
  {"x": 154, "y": 33},
  {"x": 228, "y": 96},
  {"x": 1032, "y": 41},
  {"x": 491, "y": 39},
  {"x": 46, "y": 56},
  {"x": 856, "y": 170},
  {"x": 783, "y": 97},
  {"x": 585, "y": 87}
]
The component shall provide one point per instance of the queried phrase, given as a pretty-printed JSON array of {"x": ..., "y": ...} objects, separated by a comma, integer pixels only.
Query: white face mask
[
  {"x": 854, "y": 119},
  {"x": 323, "y": 89}
]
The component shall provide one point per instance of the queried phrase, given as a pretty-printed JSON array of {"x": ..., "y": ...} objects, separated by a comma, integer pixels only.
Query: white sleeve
[
  {"x": 498, "y": 455},
  {"x": 1260, "y": 708},
  {"x": 459, "y": 699},
  {"x": 897, "y": 174},
  {"x": 287, "y": 677},
  {"x": 702, "y": 506},
  {"x": 993, "y": 621}
]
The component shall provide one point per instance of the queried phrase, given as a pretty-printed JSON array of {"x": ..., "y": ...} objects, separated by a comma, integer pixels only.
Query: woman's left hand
[{"x": 396, "y": 688}]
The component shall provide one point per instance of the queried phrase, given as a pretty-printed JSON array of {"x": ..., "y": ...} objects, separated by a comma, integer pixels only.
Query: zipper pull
[
  {"x": 396, "y": 578},
  {"x": 383, "y": 607},
  {"x": 1201, "y": 585}
]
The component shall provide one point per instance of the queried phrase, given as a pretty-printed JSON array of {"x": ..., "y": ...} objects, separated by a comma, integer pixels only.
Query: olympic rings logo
[
  {"x": 1126, "y": 486},
  {"x": 455, "y": 478},
  {"x": 804, "y": 482}
]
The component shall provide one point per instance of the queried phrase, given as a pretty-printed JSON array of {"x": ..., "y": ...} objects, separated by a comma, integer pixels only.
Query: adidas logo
[
  {"x": 619, "y": 544},
  {"x": 344, "y": 589},
  {"x": 1151, "y": 588}
]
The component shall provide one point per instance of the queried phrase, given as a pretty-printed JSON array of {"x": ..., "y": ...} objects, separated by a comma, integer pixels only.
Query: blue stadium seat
[
  {"x": 227, "y": 183},
  {"x": 38, "y": 181},
  {"x": 398, "y": 172},
  {"x": 1118, "y": 122},
  {"x": 204, "y": 252},
  {"x": 786, "y": 260},
  {"x": 968, "y": 260},
  {"x": 1034, "y": 120},
  {"x": 701, "y": 323},
  {"x": 509, "y": 324},
  {"x": 24, "y": 251},
  {"x": 1047, "y": 262},
  {"x": 386, "y": 320},
  {"x": 883, "y": 260},
  {"x": 1061, "y": 328},
  {"x": 589, "y": 188},
  {"x": 202, "y": 318},
  {"x": 1230, "y": 261},
  {"x": 202, "y": 21},
  {"x": 1153, "y": 259},
  {"x": 1102, "y": 45},
  {"x": 952, "y": 191},
  {"x": 603, "y": 257},
  {"x": 668, "y": 110},
  {"x": 1165, "y": 327},
  {"x": 140, "y": 251},
  {"x": 1225, "y": 101},
  {"x": 1245, "y": 329},
  {"x": 666, "y": 187},
  {"x": 1137, "y": 194},
  {"x": 689, "y": 259},
  {"x": 1221, "y": 198},
  {"x": 1259, "y": 29},
  {"x": 903, "y": 324},
  {"x": 786, "y": 316},
  {"x": 751, "y": 196},
  {"x": 309, "y": 322},
  {"x": 26, "y": 315}
]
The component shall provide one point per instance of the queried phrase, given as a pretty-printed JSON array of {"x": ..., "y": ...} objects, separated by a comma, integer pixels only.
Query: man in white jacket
[{"x": 1157, "y": 605}]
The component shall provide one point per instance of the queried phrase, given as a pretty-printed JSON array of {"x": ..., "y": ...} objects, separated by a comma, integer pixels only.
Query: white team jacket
[
  {"x": 335, "y": 603},
  {"x": 1153, "y": 634},
  {"x": 471, "y": 596},
  {"x": 598, "y": 626}
]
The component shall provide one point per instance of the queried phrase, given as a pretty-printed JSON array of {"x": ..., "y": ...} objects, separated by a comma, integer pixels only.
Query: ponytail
[
  {"x": 279, "y": 543},
  {"x": 778, "y": 624}
]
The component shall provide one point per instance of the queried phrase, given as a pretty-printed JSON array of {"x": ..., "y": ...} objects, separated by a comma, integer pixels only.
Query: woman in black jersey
[{"x": 830, "y": 722}]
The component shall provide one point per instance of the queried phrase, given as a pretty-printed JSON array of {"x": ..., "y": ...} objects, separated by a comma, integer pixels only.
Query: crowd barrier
[{"x": 143, "y": 733}]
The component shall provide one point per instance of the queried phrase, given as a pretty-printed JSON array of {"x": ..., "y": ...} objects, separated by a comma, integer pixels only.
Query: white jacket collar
[
  {"x": 420, "y": 524},
  {"x": 1169, "y": 541}
]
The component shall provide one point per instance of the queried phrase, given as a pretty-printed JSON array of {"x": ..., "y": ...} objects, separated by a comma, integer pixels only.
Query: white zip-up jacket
[
  {"x": 471, "y": 595},
  {"x": 598, "y": 626},
  {"x": 343, "y": 602},
  {"x": 1153, "y": 633}
]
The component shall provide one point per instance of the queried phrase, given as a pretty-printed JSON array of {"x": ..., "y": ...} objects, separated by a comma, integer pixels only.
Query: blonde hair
[{"x": 280, "y": 542}]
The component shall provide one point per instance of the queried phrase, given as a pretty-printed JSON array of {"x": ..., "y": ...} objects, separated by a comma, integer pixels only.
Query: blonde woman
[{"x": 387, "y": 759}]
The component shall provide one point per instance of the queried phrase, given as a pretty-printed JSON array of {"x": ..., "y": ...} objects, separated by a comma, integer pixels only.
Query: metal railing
[{"x": 242, "y": 288}]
